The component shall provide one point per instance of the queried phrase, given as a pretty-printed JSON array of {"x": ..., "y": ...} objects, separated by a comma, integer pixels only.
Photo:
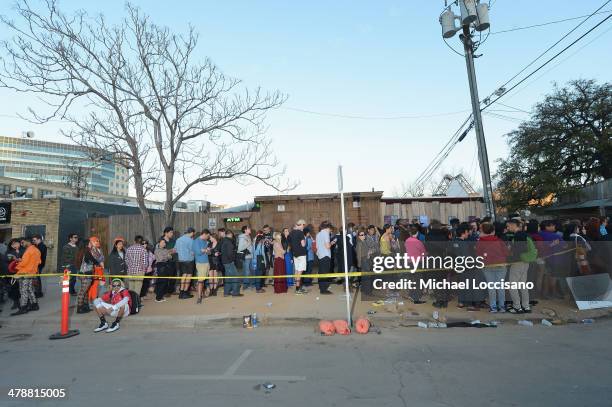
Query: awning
[{"x": 593, "y": 203}]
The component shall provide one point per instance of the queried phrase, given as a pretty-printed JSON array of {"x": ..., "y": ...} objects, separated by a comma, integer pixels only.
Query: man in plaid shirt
[{"x": 137, "y": 261}]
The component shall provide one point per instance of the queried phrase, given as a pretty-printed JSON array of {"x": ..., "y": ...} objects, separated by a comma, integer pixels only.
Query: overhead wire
[
  {"x": 502, "y": 87},
  {"x": 441, "y": 156},
  {"x": 506, "y": 91},
  {"x": 547, "y": 23}
]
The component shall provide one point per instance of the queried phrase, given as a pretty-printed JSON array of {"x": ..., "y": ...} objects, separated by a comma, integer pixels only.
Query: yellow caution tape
[{"x": 325, "y": 275}]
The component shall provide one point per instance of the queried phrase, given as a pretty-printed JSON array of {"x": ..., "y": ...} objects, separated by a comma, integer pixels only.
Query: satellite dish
[{"x": 27, "y": 134}]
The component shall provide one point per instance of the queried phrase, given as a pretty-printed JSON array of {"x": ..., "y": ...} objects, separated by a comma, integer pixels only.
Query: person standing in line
[
  {"x": 280, "y": 284},
  {"x": 137, "y": 261},
  {"x": 147, "y": 282},
  {"x": 232, "y": 283},
  {"x": 494, "y": 252},
  {"x": 297, "y": 241},
  {"x": 288, "y": 256},
  {"x": 269, "y": 240},
  {"x": 116, "y": 258},
  {"x": 68, "y": 260},
  {"x": 163, "y": 257},
  {"x": 416, "y": 251},
  {"x": 324, "y": 245},
  {"x": 463, "y": 247},
  {"x": 13, "y": 254},
  {"x": 168, "y": 236},
  {"x": 214, "y": 261},
  {"x": 385, "y": 240},
  {"x": 310, "y": 256},
  {"x": 27, "y": 265},
  {"x": 89, "y": 257},
  {"x": 522, "y": 252},
  {"x": 437, "y": 244},
  {"x": 202, "y": 264},
  {"x": 37, "y": 241},
  {"x": 184, "y": 250},
  {"x": 244, "y": 256},
  {"x": 259, "y": 262}
]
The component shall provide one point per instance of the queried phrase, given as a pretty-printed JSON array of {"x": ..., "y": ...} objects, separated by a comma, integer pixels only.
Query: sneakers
[
  {"x": 513, "y": 310},
  {"x": 326, "y": 292},
  {"x": 101, "y": 327},
  {"x": 20, "y": 311},
  {"x": 114, "y": 327},
  {"x": 493, "y": 310},
  {"x": 162, "y": 300}
]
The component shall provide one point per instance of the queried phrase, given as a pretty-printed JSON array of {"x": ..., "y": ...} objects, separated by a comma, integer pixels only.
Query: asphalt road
[{"x": 506, "y": 366}]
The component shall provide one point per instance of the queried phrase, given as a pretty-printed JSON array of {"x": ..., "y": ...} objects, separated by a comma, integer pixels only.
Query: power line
[
  {"x": 515, "y": 108},
  {"x": 505, "y": 92},
  {"x": 360, "y": 117},
  {"x": 435, "y": 164},
  {"x": 548, "y": 23},
  {"x": 557, "y": 65},
  {"x": 551, "y": 47}
]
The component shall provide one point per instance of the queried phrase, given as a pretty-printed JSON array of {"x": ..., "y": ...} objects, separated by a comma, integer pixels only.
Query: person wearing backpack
[
  {"x": 115, "y": 303},
  {"x": 522, "y": 252}
]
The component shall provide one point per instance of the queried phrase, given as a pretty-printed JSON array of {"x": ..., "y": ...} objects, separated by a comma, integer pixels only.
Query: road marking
[
  {"x": 229, "y": 377},
  {"x": 230, "y": 374},
  {"x": 234, "y": 367}
]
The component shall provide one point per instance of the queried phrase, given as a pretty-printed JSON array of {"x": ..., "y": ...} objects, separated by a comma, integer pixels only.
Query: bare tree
[
  {"x": 409, "y": 190},
  {"x": 172, "y": 121},
  {"x": 78, "y": 176}
]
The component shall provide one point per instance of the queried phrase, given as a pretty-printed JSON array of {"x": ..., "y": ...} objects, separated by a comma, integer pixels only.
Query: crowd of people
[{"x": 190, "y": 265}]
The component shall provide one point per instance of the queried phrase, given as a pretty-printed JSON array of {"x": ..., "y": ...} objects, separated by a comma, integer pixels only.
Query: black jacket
[
  {"x": 517, "y": 245},
  {"x": 436, "y": 242},
  {"x": 116, "y": 264},
  {"x": 43, "y": 255},
  {"x": 228, "y": 251}
]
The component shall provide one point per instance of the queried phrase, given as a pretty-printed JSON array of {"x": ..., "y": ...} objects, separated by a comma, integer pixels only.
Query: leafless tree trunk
[{"x": 136, "y": 91}]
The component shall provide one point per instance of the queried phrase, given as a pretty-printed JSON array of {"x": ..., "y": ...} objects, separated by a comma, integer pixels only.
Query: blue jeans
[
  {"x": 247, "y": 268},
  {"x": 495, "y": 275},
  {"x": 231, "y": 286}
]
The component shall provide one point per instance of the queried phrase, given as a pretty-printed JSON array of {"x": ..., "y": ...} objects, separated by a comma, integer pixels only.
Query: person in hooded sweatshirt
[{"x": 494, "y": 252}]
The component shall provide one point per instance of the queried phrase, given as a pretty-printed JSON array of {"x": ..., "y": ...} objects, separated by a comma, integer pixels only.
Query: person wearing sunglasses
[{"x": 115, "y": 303}]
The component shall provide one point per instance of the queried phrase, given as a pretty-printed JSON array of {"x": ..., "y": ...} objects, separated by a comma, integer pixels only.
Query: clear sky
[{"x": 370, "y": 59}]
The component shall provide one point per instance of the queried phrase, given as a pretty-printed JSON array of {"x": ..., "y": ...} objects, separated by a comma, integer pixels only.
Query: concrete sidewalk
[{"x": 287, "y": 309}]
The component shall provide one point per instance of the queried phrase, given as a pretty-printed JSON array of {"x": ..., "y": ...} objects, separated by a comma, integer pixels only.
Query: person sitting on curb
[{"x": 115, "y": 303}]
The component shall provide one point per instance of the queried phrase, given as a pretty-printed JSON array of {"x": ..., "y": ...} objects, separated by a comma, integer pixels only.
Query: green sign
[{"x": 232, "y": 220}]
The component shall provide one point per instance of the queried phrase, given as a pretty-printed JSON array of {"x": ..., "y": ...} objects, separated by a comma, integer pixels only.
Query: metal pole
[
  {"x": 343, "y": 237},
  {"x": 483, "y": 157}
]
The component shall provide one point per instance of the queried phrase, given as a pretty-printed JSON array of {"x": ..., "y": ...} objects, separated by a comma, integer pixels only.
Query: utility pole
[
  {"x": 474, "y": 17},
  {"x": 483, "y": 157}
]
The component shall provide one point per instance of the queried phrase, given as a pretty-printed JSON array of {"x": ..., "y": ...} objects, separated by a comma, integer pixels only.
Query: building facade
[{"x": 27, "y": 159}]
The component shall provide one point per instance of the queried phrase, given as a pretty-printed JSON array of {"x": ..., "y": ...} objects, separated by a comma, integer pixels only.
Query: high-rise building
[{"x": 33, "y": 160}]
